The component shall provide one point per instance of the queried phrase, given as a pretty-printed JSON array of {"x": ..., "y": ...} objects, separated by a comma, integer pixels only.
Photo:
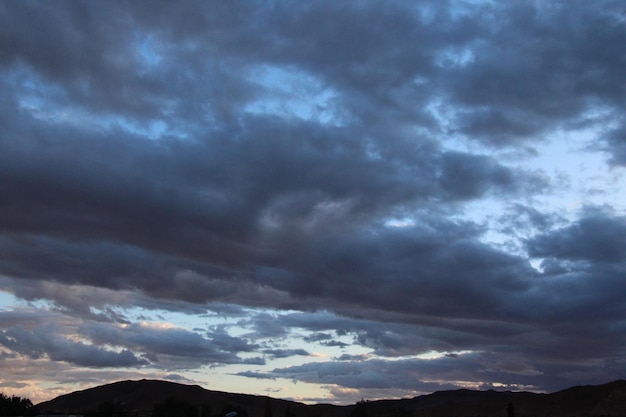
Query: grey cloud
[
  {"x": 159, "y": 343},
  {"x": 285, "y": 353},
  {"x": 211, "y": 157},
  {"x": 415, "y": 374},
  {"x": 386, "y": 342},
  {"x": 26, "y": 318},
  {"x": 553, "y": 323},
  {"x": 191, "y": 207},
  {"x": 596, "y": 237},
  {"x": 97, "y": 303},
  {"x": 229, "y": 343},
  {"x": 615, "y": 145},
  {"x": 530, "y": 80},
  {"x": 396, "y": 339},
  {"x": 318, "y": 337},
  {"x": 335, "y": 343},
  {"x": 265, "y": 325},
  {"x": 13, "y": 385},
  {"x": 468, "y": 176},
  {"x": 42, "y": 342},
  {"x": 519, "y": 63},
  {"x": 254, "y": 361},
  {"x": 527, "y": 218},
  {"x": 421, "y": 267},
  {"x": 257, "y": 375},
  {"x": 347, "y": 357},
  {"x": 368, "y": 374}
]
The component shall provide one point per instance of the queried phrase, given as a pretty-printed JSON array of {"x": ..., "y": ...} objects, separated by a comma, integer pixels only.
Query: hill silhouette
[{"x": 139, "y": 398}]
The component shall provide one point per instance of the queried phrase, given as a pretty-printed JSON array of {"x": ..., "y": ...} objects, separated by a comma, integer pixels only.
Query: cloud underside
[{"x": 329, "y": 173}]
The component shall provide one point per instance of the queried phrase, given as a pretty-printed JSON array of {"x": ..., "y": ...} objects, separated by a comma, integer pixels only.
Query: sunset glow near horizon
[{"x": 320, "y": 201}]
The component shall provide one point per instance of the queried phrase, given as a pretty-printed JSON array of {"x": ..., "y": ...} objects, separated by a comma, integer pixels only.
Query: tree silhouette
[
  {"x": 16, "y": 406},
  {"x": 360, "y": 409}
]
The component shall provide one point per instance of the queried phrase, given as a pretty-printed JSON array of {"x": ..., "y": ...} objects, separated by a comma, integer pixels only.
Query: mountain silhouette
[{"x": 139, "y": 398}]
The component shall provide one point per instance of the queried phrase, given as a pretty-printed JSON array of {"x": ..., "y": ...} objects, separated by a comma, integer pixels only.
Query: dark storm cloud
[
  {"x": 597, "y": 237},
  {"x": 403, "y": 270},
  {"x": 316, "y": 157},
  {"x": 468, "y": 176},
  {"x": 505, "y": 66},
  {"x": 584, "y": 263},
  {"x": 531, "y": 80},
  {"x": 616, "y": 145}
]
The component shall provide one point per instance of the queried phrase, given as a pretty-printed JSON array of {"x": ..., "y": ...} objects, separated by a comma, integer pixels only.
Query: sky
[{"x": 321, "y": 201}]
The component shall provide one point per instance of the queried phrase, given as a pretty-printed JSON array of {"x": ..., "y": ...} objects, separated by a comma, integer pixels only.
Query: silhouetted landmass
[{"x": 149, "y": 398}]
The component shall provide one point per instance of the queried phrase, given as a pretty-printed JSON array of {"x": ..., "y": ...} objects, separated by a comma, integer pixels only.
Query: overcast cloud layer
[{"x": 381, "y": 199}]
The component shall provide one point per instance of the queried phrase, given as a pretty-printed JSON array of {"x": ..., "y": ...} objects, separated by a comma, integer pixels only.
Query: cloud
[
  {"x": 426, "y": 375},
  {"x": 285, "y": 353},
  {"x": 229, "y": 343},
  {"x": 162, "y": 343},
  {"x": 614, "y": 145},
  {"x": 41, "y": 341},
  {"x": 377, "y": 374},
  {"x": 254, "y": 361},
  {"x": 597, "y": 237},
  {"x": 319, "y": 337},
  {"x": 364, "y": 178}
]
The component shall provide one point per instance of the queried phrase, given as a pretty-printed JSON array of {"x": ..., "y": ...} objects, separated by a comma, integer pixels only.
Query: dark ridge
[{"x": 138, "y": 398}]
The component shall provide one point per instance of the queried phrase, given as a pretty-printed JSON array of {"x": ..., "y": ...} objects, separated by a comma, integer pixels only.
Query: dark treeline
[{"x": 16, "y": 406}]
